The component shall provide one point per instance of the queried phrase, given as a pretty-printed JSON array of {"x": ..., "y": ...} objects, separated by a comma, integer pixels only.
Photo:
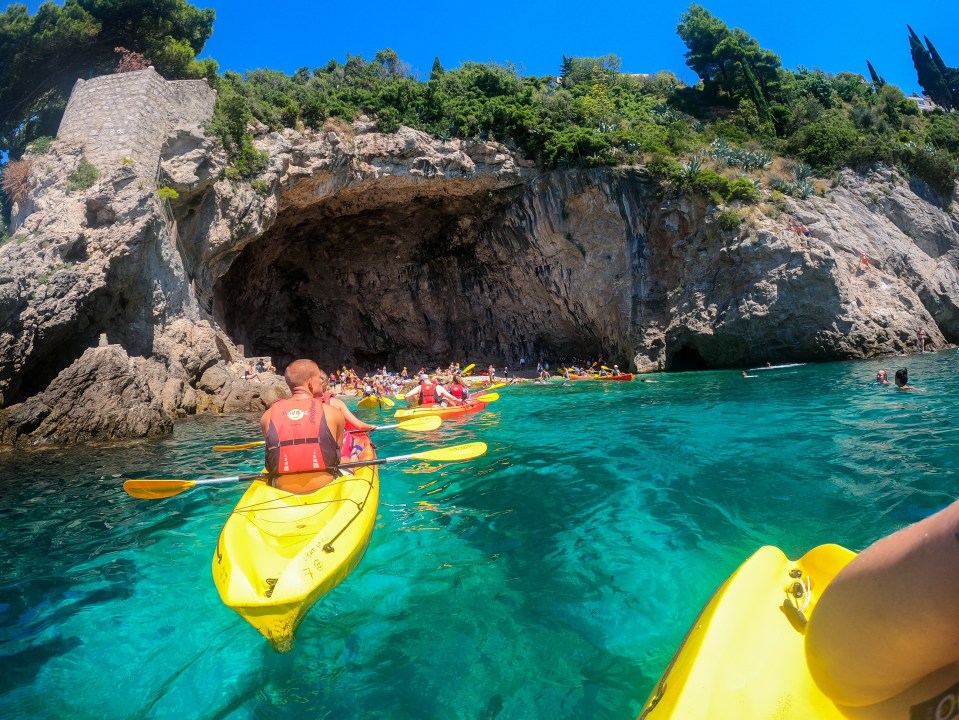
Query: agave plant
[
  {"x": 803, "y": 189},
  {"x": 802, "y": 171}
]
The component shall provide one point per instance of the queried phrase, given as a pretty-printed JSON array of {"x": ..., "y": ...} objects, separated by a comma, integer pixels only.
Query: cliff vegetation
[{"x": 592, "y": 114}]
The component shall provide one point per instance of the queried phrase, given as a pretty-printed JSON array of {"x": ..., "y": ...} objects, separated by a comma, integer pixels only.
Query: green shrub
[
  {"x": 729, "y": 220},
  {"x": 744, "y": 190},
  {"x": 167, "y": 193},
  {"x": 937, "y": 168},
  {"x": 249, "y": 162},
  {"x": 40, "y": 145},
  {"x": 826, "y": 143},
  {"x": 260, "y": 186},
  {"x": 83, "y": 177}
]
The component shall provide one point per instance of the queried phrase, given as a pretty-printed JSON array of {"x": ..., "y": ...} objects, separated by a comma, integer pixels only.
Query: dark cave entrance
[
  {"x": 687, "y": 358},
  {"x": 396, "y": 275}
]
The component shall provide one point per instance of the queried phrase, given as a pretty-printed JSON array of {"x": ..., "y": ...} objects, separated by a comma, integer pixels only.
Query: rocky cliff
[{"x": 364, "y": 248}]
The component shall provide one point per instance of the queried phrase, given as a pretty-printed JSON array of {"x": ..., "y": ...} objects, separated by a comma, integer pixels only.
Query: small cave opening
[
  {"x": 687, "y": 358},
  {"x": 395, "y": 275}
]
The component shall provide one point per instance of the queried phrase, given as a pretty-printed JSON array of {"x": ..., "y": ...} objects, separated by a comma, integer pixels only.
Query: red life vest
[
  {"x": 457, "y": 391},
  {"x": 427, "y": 394},
  {"x": 299, "y": 440}
]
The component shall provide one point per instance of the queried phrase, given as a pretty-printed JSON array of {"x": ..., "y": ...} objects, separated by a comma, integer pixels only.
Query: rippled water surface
[{"x": 551, "y": 578}]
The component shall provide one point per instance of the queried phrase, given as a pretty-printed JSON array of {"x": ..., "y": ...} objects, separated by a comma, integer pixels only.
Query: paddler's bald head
[{"x": 300, "y": 372}]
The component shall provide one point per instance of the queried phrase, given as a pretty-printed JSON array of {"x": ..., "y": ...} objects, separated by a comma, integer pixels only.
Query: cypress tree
[
  {"x": 877, "y": 81},
  {"x": 437, "y": 70},
  {"x": 930, "y": 78},
  {"x": 951, "y": 75}
]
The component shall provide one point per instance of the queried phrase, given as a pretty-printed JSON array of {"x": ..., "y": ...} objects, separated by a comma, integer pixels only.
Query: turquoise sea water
[{"x": 553, "y": 577}]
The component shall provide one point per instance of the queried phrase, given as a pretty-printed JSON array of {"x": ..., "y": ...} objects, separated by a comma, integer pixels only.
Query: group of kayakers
[{"x": 307, "y": 433}]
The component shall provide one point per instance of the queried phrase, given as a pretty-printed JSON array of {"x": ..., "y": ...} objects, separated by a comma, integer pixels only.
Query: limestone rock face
[
  {"x": 363, "y": 248},
  {"x": 104, "y": 395}
]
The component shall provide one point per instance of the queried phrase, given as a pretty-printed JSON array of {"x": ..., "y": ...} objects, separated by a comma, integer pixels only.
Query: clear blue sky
[{"x": 833, "y": 35}]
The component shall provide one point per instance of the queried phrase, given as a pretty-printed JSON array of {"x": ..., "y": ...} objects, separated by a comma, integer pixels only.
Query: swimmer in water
[
  {"x": 746, "y": 374},
  {"x": 882, "y": 378},
  {"x": 902, "y": 379}
]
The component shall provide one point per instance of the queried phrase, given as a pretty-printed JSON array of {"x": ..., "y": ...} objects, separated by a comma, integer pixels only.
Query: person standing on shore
[{"x": 921, "y": 336}]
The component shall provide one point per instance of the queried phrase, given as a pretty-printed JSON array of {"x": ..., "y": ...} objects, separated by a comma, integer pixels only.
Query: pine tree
[
  {"x": 877, "y": 81},
  {"x": 930, "y": 78}
]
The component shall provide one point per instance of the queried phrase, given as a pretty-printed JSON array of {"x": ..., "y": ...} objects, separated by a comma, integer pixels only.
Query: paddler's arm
[
  {"x": 889, "y": 618},
  {"x": 411, "y": 393},
  {"x": 337, "y": 423},
  {"x": 350, "y": 418}
]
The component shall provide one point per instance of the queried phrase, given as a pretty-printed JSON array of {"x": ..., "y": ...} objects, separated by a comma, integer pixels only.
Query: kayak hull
[
  {"x": 744, "y": 657},
  {"x": 451, "y": 411},
  {"x": 625, "y": 376},
  {"x": 279, "y": 553},
  {"x": 374, "y": 402}
]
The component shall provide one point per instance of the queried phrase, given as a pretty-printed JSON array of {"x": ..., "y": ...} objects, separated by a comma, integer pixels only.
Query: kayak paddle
[
  {"x": 152, "y": 489},
  {"x": 420, "y": 424},
  {"x": 465, "y": 371}
]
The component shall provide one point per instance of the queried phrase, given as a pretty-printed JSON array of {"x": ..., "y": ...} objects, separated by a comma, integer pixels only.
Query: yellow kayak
[
  {"x": 279, "y": 553},
  {"x": 744, "y": 657},
  {"x": 376, "y": 402},
  {"x": 491, "y": 388}
]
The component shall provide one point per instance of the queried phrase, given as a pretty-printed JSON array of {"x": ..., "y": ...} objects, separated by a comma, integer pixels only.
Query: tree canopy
[{"x": 42, "y": 55}]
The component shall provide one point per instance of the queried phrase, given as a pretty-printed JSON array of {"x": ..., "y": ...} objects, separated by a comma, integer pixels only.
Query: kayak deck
[
  {"x": 745, "y": 657},
  {"x": 376, "y": 402},
  {"x": 279, "y": 553}
]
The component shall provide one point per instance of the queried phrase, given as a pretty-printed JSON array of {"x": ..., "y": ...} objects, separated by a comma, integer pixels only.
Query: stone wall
[{"x": 130, "y": 115}]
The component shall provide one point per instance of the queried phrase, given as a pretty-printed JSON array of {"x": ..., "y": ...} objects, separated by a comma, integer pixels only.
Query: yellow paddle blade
[
  {"x": 421, "y": 424},
  {"x": 604, "y": 367},
  {"x": 465, "y": 371},
  {"x": 399, "y": 396},
  {"x": 459, "y": 452},
  {"x": 242, "y": 446},
  {"x": 156, "y": 489},
  {"x": 488, "y": 398}
]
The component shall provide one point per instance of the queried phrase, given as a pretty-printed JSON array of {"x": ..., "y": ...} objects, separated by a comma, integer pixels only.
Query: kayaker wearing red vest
[
  {"x": 353, "y": 424},
  {"x": 458, "y": 389},
  {"x": 429, "y": 393},
  {"x": 303, "y": 433}
]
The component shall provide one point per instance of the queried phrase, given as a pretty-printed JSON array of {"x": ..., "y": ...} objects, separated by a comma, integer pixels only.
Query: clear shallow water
[{"x": 554, "y": 577}]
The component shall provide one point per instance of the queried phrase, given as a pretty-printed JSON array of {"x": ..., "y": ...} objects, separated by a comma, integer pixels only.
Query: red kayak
[
  {"x": 624, "y": 376},
  {"x": 450, "y": 411}
]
